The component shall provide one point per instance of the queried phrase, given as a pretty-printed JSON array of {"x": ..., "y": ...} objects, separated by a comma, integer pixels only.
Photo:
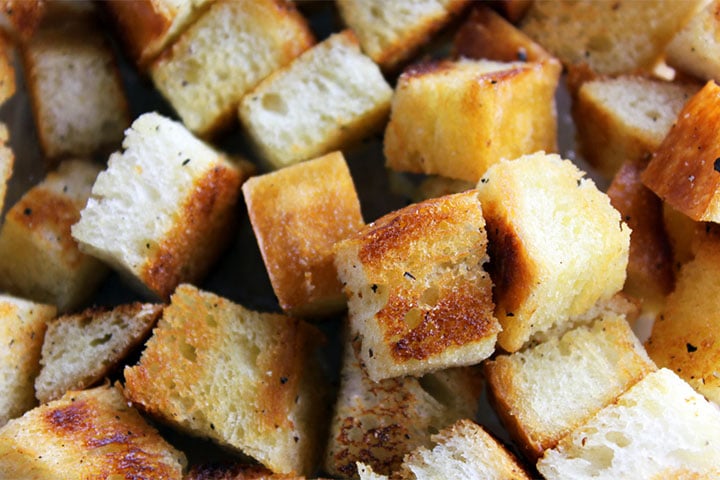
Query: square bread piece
[
  {"x": 694, "y": 49},
  {"x": 546, "y": 391},
  {"x": 419, "y": 299},
  {"x": 298, "y": 214},
  {"x": 455, "y": 119},
  {"x": 391, "y": 32},
  {"x": 80, "y": 349},
  {"x": 660, "y": 428},
  {"x": 556, "y": 245},
  {"x": 163, "y": 210},
  {"x": 67, "y": 58},
  {"x": 244, "y": 379},
  {"x": 325, "y": 99},
  {"x": 7, "y": 159},
  {"x": 223, "y": 55},
  {"x": 22, "y": 326},
  {"x": 39, "y": 258},
  {"x": 611, "y": 37},
  {"x": 685, "y": 169},
  {"x": 377, "y": 423},
  {"x": 88, "y": 434}
]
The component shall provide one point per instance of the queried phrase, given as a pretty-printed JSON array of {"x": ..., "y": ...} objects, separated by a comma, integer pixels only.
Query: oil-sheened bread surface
[
  {"x": 556, "y": 245},
  {"x": 86, "y": 434},
  {"x": 243, "y": 379},
  {"x": 694, "y": 48},
  {"x": 419, "y": 299}
]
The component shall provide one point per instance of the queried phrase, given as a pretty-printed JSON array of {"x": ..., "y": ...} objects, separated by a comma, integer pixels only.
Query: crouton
[
  {"x": 611, "y": 37},
  {"x": 223, "y": 55},
  {"x": 556, "y": 244},
  {"x": 327, "y": 98},
  {"x": 391, "y": 32},
  {"x": 22, "y": 17},
  {"x": 69, "y": 58},
  {"x": 88, "y": 434},
  {"x": 243, "y": 379},
  {"x": 39, "y": 259},
  {"x": 593, "y": 363},
  {"x": 7, "y": 159},
  {"x": 659, "y": 428},
  {"x": 7, "y": 70},
  {"x": 511, "y": 107},
  {"x": 298, "y": 214},
  {"x": 175, "y": 197},
  {"x": 378, "y": 423},
  {"x": 22, "y": 326},
  {"x": 694, "y": 48},
  {"x": 80, "y": 349}
]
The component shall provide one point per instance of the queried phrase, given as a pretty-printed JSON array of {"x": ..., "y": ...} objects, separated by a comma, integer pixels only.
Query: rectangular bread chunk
[
  {"x": 22, "y": 326},
  {"x": 328, "y": 97},
  {"x": 298, "y": 213},
  {"x": 419, "y": 299},
  {"x": 377, "y": 423},
  {"x": 510, "y": 106},
  {"x": 7, "y": 159},
  {"x": 244, "y": 379},
  {"x": 87, "y": 434},
  {"x": 546, "y": 391},
  {"x": 556, "y": 245},
  {"x": 39, "y": 258},
  {"x": 223, "y": 55},
  {"x": 694, "y": 48},
  {"x": 163, "y": 210},
  {"x": 660, "y": 428}
]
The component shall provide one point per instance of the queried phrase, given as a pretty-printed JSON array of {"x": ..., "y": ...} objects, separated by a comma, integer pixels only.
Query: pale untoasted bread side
[
  {"x": 7, "y": 159},
  {"x": 694, "y": 48}
]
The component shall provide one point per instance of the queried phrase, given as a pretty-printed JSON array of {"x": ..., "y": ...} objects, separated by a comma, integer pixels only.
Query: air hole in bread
[
  {"x": 188, "y": 351},
  {"x": 618, "y": 438},
  {"x": 413, "y": 318},
  {"x": 272, "y": 102},
  {"x": 600, "y": 456},
  {"x": 101, "y": 340},
  {"x": 430, "y": 297}
]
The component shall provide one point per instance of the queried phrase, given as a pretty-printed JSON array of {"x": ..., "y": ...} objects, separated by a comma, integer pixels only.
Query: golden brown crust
[{"x": 24, "y": 15}]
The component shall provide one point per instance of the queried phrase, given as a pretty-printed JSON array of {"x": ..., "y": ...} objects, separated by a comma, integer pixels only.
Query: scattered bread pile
[{"x": 350, "y": 239}]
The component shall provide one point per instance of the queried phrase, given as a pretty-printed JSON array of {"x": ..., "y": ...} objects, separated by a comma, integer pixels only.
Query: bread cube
[
  {"x": 611, "y": 37},
  {"x": 419, "y": 299},
  {"x": 556, "y": 245},
  {"x": 694, "y": 48},
  {"x": 685, "y": 169},
  {"x": 22, "y": 17},
  {"x": 328, "y": 97},
  {"x": 80, "y": 349},
  {"x": 68, "y": 58},
  {"x": 39, "y": 259},
  {"x": 7, "y": 71},
  {"x": 22, "y": 326},
  {"x": 625, "y": 118},
  {"x": 455, "y": 119},
  {"x": 7, "y": 159},
  {"x": 223, "y": 55},
  {"x": 659, "y": 428},
  {"x": 89, "y": 434},
  {"x": 298, "y": 214},
  {"x": 243, "y": 379},
  {"x": 378, "y": 423},
  {"x": 175, "y": 197},
  {"x": 593, "y": 363},
  {"x": 391, "y": 32}
]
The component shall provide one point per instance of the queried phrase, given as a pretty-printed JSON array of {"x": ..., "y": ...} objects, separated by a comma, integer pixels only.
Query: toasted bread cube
[
  {"x": 455, "y": 119},
  {"x": 88, "y": 434},
  {"x": 69, "y": 58},
  {"x": 22, "y": 326},
  {"x": 7, "y": 159},
  {"x": 625, "y": 118},
  {"x": 485, "y": 34},
  {"x": 418, "y": 297},
  {"x": 22, "y": 17},
  {"x": 593, "y": 363},
  {"x": 175, "y": 197},
  {"x": 391, "y": 32},
  {"x": 80, "y": 349},
  {"x": 659, "y": 428},
  {"x": 611, "y": 37},
  {"x": 328, "y": 97},
  {"x": 685, "y": 170},
  {"x": 694, "y": 48},
  {"x": 556, "y": 244},
  {"x": 378, "y": 423},
  {"x": 39, "y": 258},
  {"x": 650, "y": 274},
  {"x": 298, "y": 214},
  {"x": 243, "y": 379},
  {"x": 149, "y": 26},
  {"x": 223, "y": 55}
]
